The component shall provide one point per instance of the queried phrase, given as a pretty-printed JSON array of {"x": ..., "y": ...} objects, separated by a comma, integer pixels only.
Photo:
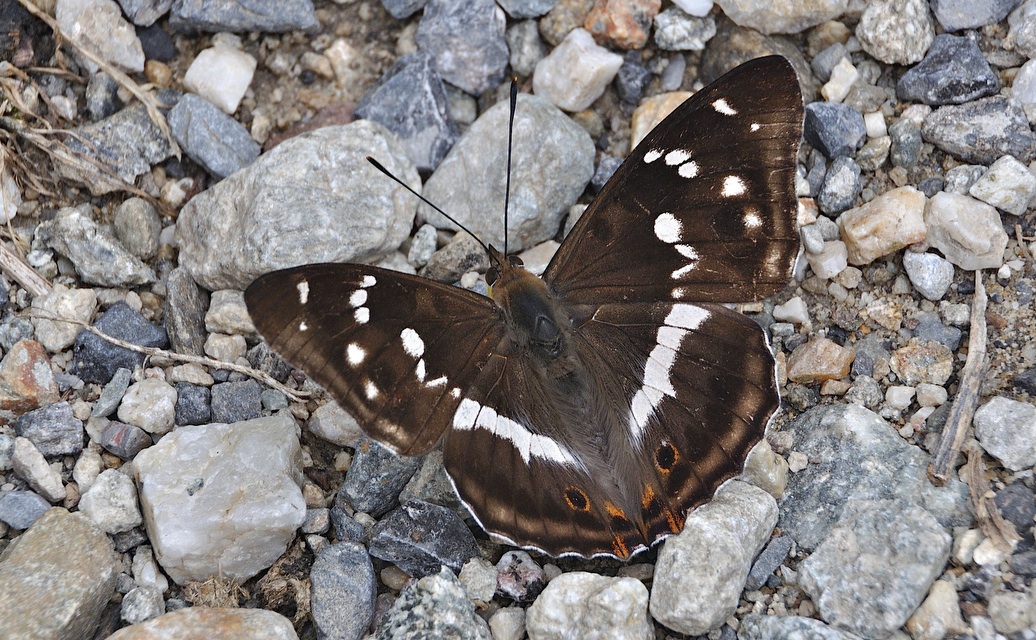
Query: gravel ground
[{"x": 163, "y": 495}]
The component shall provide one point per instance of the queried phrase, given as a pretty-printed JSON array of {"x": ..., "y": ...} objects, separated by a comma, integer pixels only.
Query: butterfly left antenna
[
  {"x": 510, "y": 139},
  {"x": 379, "y": 167}
]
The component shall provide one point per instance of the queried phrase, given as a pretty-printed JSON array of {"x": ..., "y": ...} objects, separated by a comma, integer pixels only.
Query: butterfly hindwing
[
  {"x": 704, "y": 207},
  {"x": 390, "y": 348},
  {"x": 664, "y": 402}
]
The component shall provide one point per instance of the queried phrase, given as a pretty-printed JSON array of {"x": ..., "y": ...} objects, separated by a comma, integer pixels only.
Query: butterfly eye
[
  {"x": 491, "y": 275},
  {"x": 515, "y": 261}
]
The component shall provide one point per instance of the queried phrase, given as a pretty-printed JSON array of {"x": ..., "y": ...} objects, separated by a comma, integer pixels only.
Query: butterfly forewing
[
  {"x": 392, "y": 349},
  {"x": 704, "y": 207}
]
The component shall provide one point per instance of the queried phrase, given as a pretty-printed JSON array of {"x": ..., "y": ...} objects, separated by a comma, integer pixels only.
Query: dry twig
[
  {"x": 22, "y": 273},
  {"x": 1000, "y": 532},
  {"x": 265, "y": 378},
  {"x": 964, "y": 404}
]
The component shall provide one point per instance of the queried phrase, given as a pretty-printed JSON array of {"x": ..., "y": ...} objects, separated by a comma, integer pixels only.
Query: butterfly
[{"x": 587, "y": 411}]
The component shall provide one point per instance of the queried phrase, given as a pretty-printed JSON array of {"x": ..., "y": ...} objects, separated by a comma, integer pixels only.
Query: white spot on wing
[
  {"x": 455, "y": 392},
  {"x": 755, "y": 127},
  {"x": 303, "y": 287},
  {"x": 412, "y": 343},
  {"x": 355, "y": 354},
  {"x": 370, "y": 390},
  {"x": 471, "y": 415},
  {"x": 722, "y": 106},
  {"x": 752, "y": 220},
  {"x": 652, "y": 155},
  {"x": 733, "y": 186},
  {"x": 684, "y": 270},
  {"x": 439, "y": 382},
  {"x": 686, "y": 316},
  {"x": 677, "y": 156},
  {"x": 303, "y": 326},
  {"x": 419, "y": 370},
  {"x": 357, "y": 298},
  {"x": 368, "y": 281},
  {"x": 687, "y": 251},
  {"x": 668, "y": 228},
  {"x": 362, "y": 315},
  {"x": 688, "y": 170}
]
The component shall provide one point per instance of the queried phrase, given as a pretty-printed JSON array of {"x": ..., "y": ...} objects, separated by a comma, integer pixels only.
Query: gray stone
[
  {"x": 1021, "y": 36},
  {"x": 59, "y": 577},
  {"x": 580, "y": 604},
  {"x": 141, "y": 604},
  {"x": 1007, "y": 431},
  {"x": 756, "y": 626},
  {"x": 931, "y": 327},
  {"x": 876, "y": 566},
  {"x": 961, "y": 178},
  {"x": 906, "y": 143},
  {"x": 835, "y": 129},
  {"x": 896, "y": 31},
  {"x": 981, "y": 131},
  {"x": 769, "y": 559},
  {"x": 274, "y": 16},
  {"x": 552, "y": 163},
  {"x": 930, "y": 274},
  {"x": 461, "y": 255},
  {"x": 98, "y": 257},
  {"x": 435, "y": 606},
  {"x": 137, "y": 226},
  {"x": 791, "y": 17},
  {"x": 521, "y": 9},
  {"x": 193, "y": 404},
  {"x": 952, "y": 72},
  {"x": 128, "y": 143},
  {"x": 97, "y": 360},
  {"x": 827, "y": 59},
  {"x": 431, "y": 484},
  {"x": 419, "y": 538},
  {"x": 250, "y": 219},
  {"x": 184, "y": 312},
  {"x": 400, "y": 9},
  {"x": 410, "y": 101},
  {"x": 677, "y": 31},
  {"x": 1008, "y": 186},
  {"x": 145, "y": 12},
  {"x": 343, "y": 590},
  {"x": 525, "y": 47},
  {"x": 632, "y": 79},
  {"x": 855, "y": 455},
  {"x": 841, "y": 186},
  {"x": 53, "y": 429},
  {"x": 111, "y": 502},
  {"x": 956, "y": 15},
  {"x": 376, "y": 477},
  {"x": 701, "y": 572},
  {"x": 969, "y": 233},
  {"x": 112, "y": 394},
  {"x": 210, "y": 137},
  {"x": 20, "y": 509},
  {"x": 236, "y": 401},
  {"x": 467, "y": 42}
]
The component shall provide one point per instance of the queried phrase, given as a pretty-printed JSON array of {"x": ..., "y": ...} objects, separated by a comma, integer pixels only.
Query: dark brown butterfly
[{"x": 585, "y": 412}]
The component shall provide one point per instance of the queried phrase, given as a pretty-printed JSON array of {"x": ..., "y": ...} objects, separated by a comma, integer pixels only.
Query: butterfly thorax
[{"x": 537, "y": 322}]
